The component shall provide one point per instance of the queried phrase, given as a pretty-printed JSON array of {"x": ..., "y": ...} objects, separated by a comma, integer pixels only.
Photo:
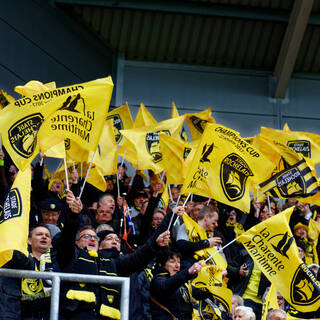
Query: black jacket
[
  {"x": 75, "y": 260},
  {"x": 171, "y": 293}
]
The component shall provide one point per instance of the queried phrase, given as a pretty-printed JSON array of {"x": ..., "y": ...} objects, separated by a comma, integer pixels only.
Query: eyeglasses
[
  {"x": 89, "y": 236},
  {"x": 108, "y": 238}
]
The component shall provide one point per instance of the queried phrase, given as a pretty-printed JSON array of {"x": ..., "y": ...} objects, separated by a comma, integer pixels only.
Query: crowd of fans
[{"x": 92, "y": 236}]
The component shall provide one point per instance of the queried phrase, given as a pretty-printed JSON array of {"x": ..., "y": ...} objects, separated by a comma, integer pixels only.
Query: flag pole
[
  {"x": 85, "y": 180},
  {"x": 269, "y": 205},
  {"x": 228, "y": 244},
  {"x": 161, "y": 180},
  {"x": 173, "y": 213},
  {"x": 81, "y": 169},
  {"x": 66, "y": 172},
  {"x": 121, "y": 164},
  {"x": 184, "y": 204},
  {"x": 170, "y": 194}
]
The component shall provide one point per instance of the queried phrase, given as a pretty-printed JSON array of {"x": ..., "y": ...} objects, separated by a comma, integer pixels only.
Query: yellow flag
[
  {"x": 305, "y": 143},
  {"x": 286, "y": 128},
  {"x": 144, "y": 118},
  {"x": 96, "y": 178},
  {"x": 5, "y": 99},
  {"x": 164, "y": 199},
  {"x": 296, "y": 177},
  {"x": 196, "y": 233},
  {"x": 174, "y": 153},
  {"x": 210, "y": 278},
  {"x": 122, "y": 120},
  {"x": 271, "y": 302},
  {"x": 81, "y": 114},
  {"x": 106, "y": 155},
  {"x": 34, "y": 87},
  {"x": 14, "y": 218},
  {"x": 56, "y": 151},
  {"x": 197, "y": 122},
  {"x": 146, "y": 143},
  {"x": 272, "y": 247},
  {"x": 174, "y": 111},
  {"x": 223, "y": 166},
  {"x": 175, "y": 114}
]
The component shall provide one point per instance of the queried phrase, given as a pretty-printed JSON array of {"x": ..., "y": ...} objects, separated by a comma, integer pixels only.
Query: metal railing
[{"x": 56, "y": 278}]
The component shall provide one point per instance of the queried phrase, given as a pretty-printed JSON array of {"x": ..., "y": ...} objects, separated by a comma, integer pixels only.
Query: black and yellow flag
[
  {"x": 14, "y": 217},
  {"x": 272, "y": 247},
  {"x": 80, "y": 115},
  {"x": 146, "y": 143},
  {"x": 122, "y": 120},
  {"x": 295, "y": 177},
  {"x": 196, "y": 233},
  {"x": 305, "y": 143},
  {"x": 223, "y": 166},
  {"x": 197, "y": 122}
]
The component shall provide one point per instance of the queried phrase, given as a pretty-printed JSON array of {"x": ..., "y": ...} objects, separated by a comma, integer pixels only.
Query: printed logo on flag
[
  {"x": 301, "y": 146},
  {"x": 23, "y": 134},
  {"x": 198, "y": 123},
  {"x": 153, "y": 145},
  {"x": 186, "y": 152},
  {"x": 74, "y": 104},
  {"x": 12, "y": 206},
  {"x": 79, "y": 121},
  {"x": 234, "y": 172},
  {"x": 206, "y": 151},
  {"x": 117, "y": 126},
  {"x": 290, "y": 183},
  {"x": 304, "y": 289}
]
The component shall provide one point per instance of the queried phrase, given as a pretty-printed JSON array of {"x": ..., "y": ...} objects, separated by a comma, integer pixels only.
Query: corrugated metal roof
[{"x": 208, "y": 40}]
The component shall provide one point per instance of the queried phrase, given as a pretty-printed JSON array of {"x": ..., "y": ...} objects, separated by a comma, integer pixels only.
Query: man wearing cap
[
  {"x": 90, "y": 301},
  {"x": 50, "y": 209}
]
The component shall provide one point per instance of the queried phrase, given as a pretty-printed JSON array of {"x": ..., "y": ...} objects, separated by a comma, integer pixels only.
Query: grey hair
[
  {"x": 103, "y": 227},
  {"x": 238, "y": 299},
  {"x": 249, "y": 314},
  {"x": 272, "y": 311}
]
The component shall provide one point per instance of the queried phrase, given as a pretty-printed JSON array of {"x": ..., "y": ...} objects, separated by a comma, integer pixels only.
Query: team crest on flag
[
  {"x": 12, "y": 206},
  {"x": 153, "y": 145},
  {"x": 300, "y": 146},
  {"x": 291, "y": 183},
  {"x": 234, "y": 172},
  {"x": 117, "y": 126},
  {"x": 303, "y": 291},
  {"x": 23, "y": 134}
]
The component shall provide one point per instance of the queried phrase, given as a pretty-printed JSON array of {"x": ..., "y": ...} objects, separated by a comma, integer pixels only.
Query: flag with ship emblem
[
  {"x": 223, "y": 166},
  {"x": 272, "y": 247}
]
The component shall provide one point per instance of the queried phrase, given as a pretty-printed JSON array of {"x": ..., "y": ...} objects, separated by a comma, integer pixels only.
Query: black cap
[
  {"x": 103, "y": 234},
  {"x": 51, "y": 204}
]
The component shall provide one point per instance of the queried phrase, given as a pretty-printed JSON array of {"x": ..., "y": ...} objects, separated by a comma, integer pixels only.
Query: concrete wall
[
  {"x": 239, "y": 99},
  {"x": 38, "y": 42}
]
